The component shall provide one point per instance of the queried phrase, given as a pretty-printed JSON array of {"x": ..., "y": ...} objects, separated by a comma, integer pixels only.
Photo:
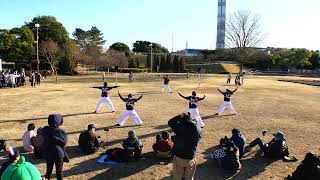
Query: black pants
[
  {"x": 59, "y": 167},
  {"x": 228, "y": 81},
  {"x": 90, "y": 150},
  {"x": 258, "y": 142}
]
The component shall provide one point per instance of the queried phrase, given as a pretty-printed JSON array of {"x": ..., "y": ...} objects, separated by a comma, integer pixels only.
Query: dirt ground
[{"x": 262, "y": 103}]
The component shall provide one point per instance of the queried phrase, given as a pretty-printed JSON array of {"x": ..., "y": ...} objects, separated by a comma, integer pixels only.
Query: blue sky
[{"x": 286, "y": 23}]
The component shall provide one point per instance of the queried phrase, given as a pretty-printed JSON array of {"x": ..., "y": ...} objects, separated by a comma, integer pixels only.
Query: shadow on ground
[
  {"x": 45, "y": 118},
  {"x": 252, "y": 166},
  {"x": 127, "y": 169}
]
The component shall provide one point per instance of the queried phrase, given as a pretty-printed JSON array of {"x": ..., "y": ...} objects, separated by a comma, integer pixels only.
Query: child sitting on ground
[
  {"x": 27, "y": 138},
  {"x": 163, "y": 145}
]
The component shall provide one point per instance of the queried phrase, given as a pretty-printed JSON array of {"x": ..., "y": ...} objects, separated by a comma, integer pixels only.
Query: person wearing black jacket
[
  {"x": 226, "y": 102},
  {"x": 187, "y": 136},
  {"x": 105, "y": 97},
  {"x": 276, "y": 148},
  {"x": 55, "y": 142},
  {"x": 130, "y": 111},
  {"x": 88, "y": 141},
  {"x": 193, "y": 106}
]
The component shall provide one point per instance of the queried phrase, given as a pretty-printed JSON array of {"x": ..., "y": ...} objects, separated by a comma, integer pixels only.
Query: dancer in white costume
[
  {"x": 193, "y": 107},
  {"x": 105, "y": 97},
  {"x": 226, "y": 102},
  {"x": 166, "y": 81},
  {"x": 129, "y": 110}
]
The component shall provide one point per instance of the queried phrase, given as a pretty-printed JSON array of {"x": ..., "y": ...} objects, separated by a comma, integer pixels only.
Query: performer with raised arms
[
  {"x": 130, "y": 111},
  {"x": 193, "y": 107}
]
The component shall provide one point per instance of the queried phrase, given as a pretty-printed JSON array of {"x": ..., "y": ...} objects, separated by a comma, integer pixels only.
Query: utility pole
[
  {"x": 151, "y": 67},
  {"x": 38, "y": 61}
]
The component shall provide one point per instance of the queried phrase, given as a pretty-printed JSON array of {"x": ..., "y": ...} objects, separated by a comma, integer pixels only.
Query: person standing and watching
[
  {"x": 55, "y": 142},
  {"x": 229, "y": 78},
  {"x": 188, "y": 134}
]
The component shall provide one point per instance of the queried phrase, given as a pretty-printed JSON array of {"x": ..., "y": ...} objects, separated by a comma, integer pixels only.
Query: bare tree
[
  {"x": 50, "y": 49},
  {"x": 115, "y": 58},
  {"x": 243, "y": 32}
]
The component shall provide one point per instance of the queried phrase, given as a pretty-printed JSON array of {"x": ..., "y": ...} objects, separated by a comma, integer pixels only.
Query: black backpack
[{"x": 117, "y": 154}]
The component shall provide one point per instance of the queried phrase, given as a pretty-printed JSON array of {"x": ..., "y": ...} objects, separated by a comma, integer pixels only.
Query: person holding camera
[
  {"x": 187, "y": 136},
  {"x": 276, "y": 148},
  {"x": 88, "y": 140}
]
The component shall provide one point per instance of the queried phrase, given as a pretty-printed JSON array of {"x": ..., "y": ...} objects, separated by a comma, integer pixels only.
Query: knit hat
[
  {"x": 279, "y": 135},
  {"x": 21, "y": 170},
  {"x": 131, "y": 133}
]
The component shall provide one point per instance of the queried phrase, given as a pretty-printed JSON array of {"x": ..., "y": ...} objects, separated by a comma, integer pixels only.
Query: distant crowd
[{"x": 17, "y": 78}]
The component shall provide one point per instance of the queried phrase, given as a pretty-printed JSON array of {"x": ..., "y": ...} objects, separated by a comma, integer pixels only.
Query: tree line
[{"x": 59, "y": 52}]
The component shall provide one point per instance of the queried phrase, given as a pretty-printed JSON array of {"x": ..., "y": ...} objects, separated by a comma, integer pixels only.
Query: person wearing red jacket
[{"x": 163, "y": 146}]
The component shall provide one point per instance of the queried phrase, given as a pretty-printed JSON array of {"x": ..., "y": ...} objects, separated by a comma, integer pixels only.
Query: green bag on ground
[{"x": 21, "y": 170}]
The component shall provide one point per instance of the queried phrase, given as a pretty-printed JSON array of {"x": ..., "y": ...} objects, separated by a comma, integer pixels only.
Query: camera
[{"x": 264, "y": 133}]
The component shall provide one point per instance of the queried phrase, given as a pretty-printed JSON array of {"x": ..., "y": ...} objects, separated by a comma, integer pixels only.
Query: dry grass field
[{"x": 262, "y": 103}]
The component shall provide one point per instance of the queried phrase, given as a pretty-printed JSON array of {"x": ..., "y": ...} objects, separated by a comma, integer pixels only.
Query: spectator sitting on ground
[
  {"x": 88, "y": 141},
  {"x": 132, "y": 145},
  {"x": 13, "y": 158},
  {"x": 227, "y": 155},
  {"x": 38, "y": 144},
  {"x": 27, "y": 138},
  {"x": 239, "y": 140},
  {"x": 276, "y": 148},
  {"x": 163, "y": 145}
]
